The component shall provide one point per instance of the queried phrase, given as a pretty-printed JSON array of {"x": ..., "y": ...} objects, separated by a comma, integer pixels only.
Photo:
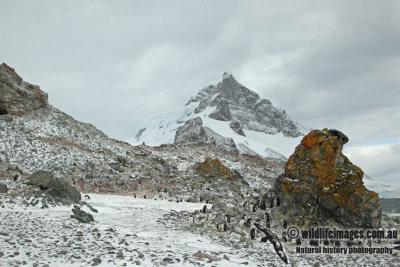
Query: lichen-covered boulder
[
  {"x": 214, "y": 167},
  {"x": 321, "y": 186}
]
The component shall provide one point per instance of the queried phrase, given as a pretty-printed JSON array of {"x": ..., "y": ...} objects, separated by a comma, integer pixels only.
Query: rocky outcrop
[
  {"x": 321, "y": 186},
  {"x": 193, "y": 132},
  {"x": 58, "y": 188},
  {"x": 236, "y": 127},
  {"x": 222, "y": 112},
  {"x": 16, "y": 96}
]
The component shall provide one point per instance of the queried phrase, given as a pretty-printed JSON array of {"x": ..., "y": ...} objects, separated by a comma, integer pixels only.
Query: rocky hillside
[
  {"x": 37, "y": 136},
  {"x": 229, "y": 116}
]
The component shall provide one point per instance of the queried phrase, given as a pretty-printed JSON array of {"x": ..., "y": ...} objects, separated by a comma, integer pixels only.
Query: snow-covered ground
[
  {"x": 132, "y": 231},
  {"x": 126, "y": 231}
]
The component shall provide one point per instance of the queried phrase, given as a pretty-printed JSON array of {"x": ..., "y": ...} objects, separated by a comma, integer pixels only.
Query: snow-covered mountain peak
[{"x": 230, "y": 110}]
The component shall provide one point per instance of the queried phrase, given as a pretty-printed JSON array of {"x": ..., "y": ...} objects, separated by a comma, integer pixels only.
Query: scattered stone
[
  {"x": 168, "y": 260},
  {"x": 81, "y": 215},
  {"x": 202, "y": 255},
  {"x": 96, "y": 261},
  {"x": 3, "y": 188}
]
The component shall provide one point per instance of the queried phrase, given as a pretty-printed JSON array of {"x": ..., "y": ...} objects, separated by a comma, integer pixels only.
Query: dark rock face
[
  {"x": 222, "y": 112},
  {"x": 321, "y": 186},
  {"x": 234, "y": 102},
  {"x": 3, "y": 188},
  {"x": 193, "y": 132},
  {"x": 16, "y": 96},
  {"x": 56, "y": 187},
  {"x": 237, "y": 127}
]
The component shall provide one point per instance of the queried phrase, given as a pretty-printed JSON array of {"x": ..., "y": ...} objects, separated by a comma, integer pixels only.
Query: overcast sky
[{"x": 333, "y": 64}]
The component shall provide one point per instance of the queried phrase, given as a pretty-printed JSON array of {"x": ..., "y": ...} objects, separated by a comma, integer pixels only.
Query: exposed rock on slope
[
  {"x": 16, "y": 96},
  {"x": 234, "y": 101},
  {"x": 193, "y": 132},
  {"x": 321, "y": 186}
]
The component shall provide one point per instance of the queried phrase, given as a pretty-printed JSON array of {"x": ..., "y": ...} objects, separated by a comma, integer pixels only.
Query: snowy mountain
[
  {"x": 229, "y": 116},
  {"x": 385, "y": 190}
]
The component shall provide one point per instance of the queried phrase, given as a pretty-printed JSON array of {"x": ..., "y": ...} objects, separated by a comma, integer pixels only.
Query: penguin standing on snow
[
  {"x": 248, "y": 222},
  {"x": 253, "y": 233},
  {"x": 228, "y": 218},
  {"x": 266, "y": 216},
  {"x": 209, "y": 216},
  {"x": 204, "y": 209},
  {"x": 226, "y": 228}
]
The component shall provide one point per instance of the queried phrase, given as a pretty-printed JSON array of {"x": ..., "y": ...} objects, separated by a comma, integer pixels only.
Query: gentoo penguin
[
  {"x": 248, "y": 222},
  {"x": 209, "y": 216},
  {"x": 253, "y": 233},
  {"x": 228, "y": 218},
  {"x": 204, "y": 209},
  {"x": 134, "y": 195},
  {"x": 270, "y": 236},
  {"x": 226, "y": 228},
  {"x": 266, "y": 216},
  {"x": 251, "y": 207},
  {"x": 219, "y": 227},
  {"x": 241, "y": 223},
  {"x": 191, "y": 219}
]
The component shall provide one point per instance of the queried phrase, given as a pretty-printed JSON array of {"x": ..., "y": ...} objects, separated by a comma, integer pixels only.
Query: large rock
[
  {"x": 193, "y": 132},
  {"x": 56, "y": 187},
  {"x": 321, "y": 186},
  {"x": 16, "y": 96}
]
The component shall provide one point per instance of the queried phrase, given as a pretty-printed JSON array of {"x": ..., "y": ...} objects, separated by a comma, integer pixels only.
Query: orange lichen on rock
[
  {"x": 214, "y": 167},
  {"x": 319, "y": 173},
  {"x": 310, "y": 138}
]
